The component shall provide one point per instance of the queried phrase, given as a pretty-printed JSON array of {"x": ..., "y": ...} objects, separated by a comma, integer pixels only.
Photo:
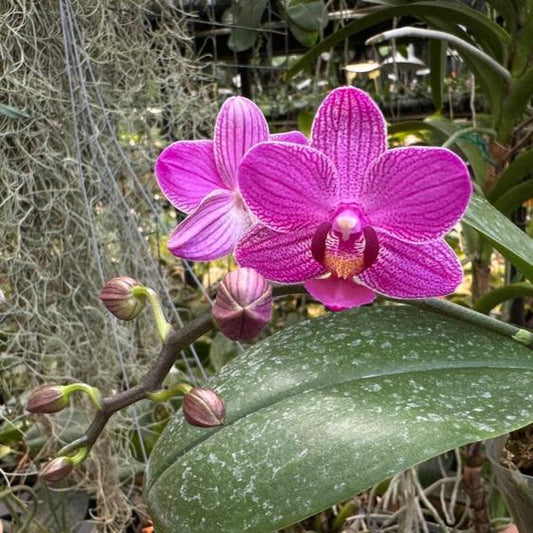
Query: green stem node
[
  {"x": 163, "y": 395},
  {"x": 163, "y": 327},
  {"x": 94, "y": 394}
]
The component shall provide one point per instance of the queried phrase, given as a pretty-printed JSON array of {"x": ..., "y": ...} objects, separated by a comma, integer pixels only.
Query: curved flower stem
[
  {"x": 93, "y": 393},
  {"x": 409, "y": 31},
  {"x": 495, "y": 297},
  {"x": 163, "y": 327},
  {"x": 165, "y": 394}
]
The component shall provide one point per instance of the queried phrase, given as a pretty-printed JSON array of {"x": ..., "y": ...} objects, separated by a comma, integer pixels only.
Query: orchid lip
[{"x": 346, "y": 246}]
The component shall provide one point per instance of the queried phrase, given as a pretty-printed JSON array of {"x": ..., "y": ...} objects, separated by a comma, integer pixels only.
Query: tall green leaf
[
  {"x": 523, "y": 48},
  {"x": 499, "y": 231},
  {"x": 437, "y": 66},
  {"x": 309, "y": 15},
  {"x": 324, "y": 409},
  {"x": 513, "y": 174},
  {"x": 515, "y": 104},
  {"x": 481, "y": 27}
]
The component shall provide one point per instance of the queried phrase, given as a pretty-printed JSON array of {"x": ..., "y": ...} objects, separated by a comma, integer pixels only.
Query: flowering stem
[
  {"x": 94, "y": 394},
  {"x": 165, "y": 394},
  {"x": 163, "y": 327}
]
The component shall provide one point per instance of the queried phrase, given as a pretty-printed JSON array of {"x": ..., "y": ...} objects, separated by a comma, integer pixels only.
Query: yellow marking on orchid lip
[{"x": 343, "y": 265}]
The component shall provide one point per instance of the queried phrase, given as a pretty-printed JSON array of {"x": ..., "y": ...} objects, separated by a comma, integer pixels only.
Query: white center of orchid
[{"x": 347, "y": 222}]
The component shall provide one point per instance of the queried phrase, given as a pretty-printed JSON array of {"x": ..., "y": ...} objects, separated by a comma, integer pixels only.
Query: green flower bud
[
  {"x": 120, "y": 299},
  {"x": 203, "y": 407},
  {"x": 48, "y": 399}
]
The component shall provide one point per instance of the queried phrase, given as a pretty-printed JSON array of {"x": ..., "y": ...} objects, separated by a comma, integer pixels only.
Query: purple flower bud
[
  {"x": 57, "y": 469},
  {"x": 203, "y": 407},
  {"x": 119, "y": 298},
  {"x": 243, "y": 305},
  {"x": 47, "y": 399}
]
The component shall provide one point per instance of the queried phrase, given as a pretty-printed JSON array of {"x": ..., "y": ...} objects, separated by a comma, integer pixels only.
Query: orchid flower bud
[
  {"x": 48, "y": 399},
  {"x": 243, "y": 305},
  {"x": 120, "y": 298},
  {"x": 54, "y": 398},
  {"x": 203, "y": 407},
  {"x": 57, "y": 469}
]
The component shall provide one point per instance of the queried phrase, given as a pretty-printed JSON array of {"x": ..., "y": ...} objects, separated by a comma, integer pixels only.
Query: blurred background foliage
[{"x": 90, "y": 91}]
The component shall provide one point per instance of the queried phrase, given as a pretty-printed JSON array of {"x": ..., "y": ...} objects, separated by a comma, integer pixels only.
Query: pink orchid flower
[
  {"x": 348, "y": 216},
  {"x": 200, "y": 178}
]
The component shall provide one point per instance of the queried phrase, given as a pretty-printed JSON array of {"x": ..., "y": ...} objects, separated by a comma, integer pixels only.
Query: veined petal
[
  {"x": 187, "y": 173},
  {"x": 281, "y": 257},
  {"x": 416, "y": 193},
  {"x": 406, "y": 270},
  {"x": 240, "y": 125},
  {"x": 288, "y": 186},
  {"x": 212, "y": 230},
  {"x": 338, "y": 294},
  {"x": 290, "y": 137},
  {"x": 350, "y": 129}
]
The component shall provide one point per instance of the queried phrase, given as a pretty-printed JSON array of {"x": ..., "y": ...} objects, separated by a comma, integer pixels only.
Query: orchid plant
[
  {"x": 345, "y": 219},
  {"x": 323, "y": 409}
]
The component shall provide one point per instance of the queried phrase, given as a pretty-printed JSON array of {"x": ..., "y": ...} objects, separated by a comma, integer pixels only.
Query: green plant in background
[{"x": 326, "y": 408}]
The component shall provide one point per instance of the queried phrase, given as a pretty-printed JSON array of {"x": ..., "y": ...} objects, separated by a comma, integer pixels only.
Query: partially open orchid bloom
[
  {"x": 200, "y": 178},
  {"x": 348, "y": 216},
  {"x": 243, "y": 305}
]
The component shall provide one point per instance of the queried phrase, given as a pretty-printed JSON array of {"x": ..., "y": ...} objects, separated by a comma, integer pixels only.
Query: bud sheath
[{"x": 243, "y": 305}]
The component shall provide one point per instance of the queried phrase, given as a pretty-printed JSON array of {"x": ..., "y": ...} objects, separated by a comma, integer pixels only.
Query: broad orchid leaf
[
  {"x": 523, "y": 48},
  {"x": 324, "y": 409},
  {"x": 499, "y": 231}
]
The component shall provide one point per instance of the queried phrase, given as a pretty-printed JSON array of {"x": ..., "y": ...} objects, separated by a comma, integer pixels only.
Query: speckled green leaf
[
  {"x": 497, "y": 229},
  {"x": 326, "y": 408}
]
